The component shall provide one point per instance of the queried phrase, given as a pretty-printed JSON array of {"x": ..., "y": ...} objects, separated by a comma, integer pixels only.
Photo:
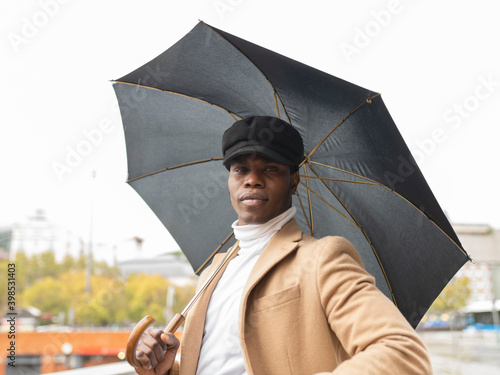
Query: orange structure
[{"x": 58, "y": 351}]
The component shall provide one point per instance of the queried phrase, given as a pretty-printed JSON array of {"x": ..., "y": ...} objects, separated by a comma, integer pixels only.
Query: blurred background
[{"x": 89, "y": 255}]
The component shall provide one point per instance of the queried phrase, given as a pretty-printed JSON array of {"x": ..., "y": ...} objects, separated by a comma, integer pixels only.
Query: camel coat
[{"x": 309, "y": 307}]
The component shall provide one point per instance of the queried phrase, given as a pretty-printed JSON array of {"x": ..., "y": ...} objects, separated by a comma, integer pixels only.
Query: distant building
[
  {"x": 172, "y": 266},
  {"x": 482, "y": 242},
  {"x": 26, "y": 319}
]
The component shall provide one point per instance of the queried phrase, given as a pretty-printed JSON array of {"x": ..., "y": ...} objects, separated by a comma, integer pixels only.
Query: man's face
[{"x": 260, "y": 189}]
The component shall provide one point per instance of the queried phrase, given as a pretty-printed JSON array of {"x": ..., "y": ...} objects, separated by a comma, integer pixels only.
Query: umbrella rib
[
  {"x": 276, "y": 102},
  {"x": 336, "y": 197},
  {"x": 370, "y": 181},
  {"x": 233, "y": 115},
  {"x": 339, "y": 180},
  {"x": 214, "y": 252},
  {"x": 362, "y": 231},
  {"x": 308, "y": 189},
  {"x": 276, "y": 95},
  {"x": 367, "y": 101},
  {"x": 174, "y": 167},
  {"x": 373, "y": 182},
  {"x": 309, "y": 199}
]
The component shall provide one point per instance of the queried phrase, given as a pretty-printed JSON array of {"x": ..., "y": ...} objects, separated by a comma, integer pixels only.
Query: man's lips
[{"x": 253, "y": 199}]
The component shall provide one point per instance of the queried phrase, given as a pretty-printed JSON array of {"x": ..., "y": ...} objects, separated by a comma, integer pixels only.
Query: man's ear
[{"x": 294, "y": 182}]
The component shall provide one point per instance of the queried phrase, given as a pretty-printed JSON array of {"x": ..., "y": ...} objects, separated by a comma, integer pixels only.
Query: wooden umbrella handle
[{"x": 139, "y": 329}]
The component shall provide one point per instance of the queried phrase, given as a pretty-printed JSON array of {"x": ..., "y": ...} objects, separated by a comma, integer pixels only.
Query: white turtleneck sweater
[{"x": 221, "y": 349}]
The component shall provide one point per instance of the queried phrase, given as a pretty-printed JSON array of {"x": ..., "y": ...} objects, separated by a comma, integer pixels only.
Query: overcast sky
[{"x": 436, "y": 63}]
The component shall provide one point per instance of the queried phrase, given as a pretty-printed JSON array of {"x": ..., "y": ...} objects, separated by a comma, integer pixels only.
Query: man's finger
[
  {"x": 143, "y": 360},
  {"x": 170, "y": 339},
  {"x": 151, "y": 349}
]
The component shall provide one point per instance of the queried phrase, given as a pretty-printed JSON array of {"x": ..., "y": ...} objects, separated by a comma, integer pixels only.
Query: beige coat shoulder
[{"x": 309, "y": 307}]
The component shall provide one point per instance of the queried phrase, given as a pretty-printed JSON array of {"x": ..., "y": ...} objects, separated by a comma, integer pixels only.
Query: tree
[
  {"x": 103, "y": 306},
  {"x": 146, "y": 295},
  {"x": 22, "y": 274},
  {"x": 453, "y": 297},
  {"x": 69, "y": 263},
  {"x": 47, "y": 295},
  {"x": 58, "y": 287}
]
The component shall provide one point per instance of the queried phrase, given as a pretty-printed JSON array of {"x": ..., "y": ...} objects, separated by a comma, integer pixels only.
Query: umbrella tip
[{"x": 369, "y": 100}]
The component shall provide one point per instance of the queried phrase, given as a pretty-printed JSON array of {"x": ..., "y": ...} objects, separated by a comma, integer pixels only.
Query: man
[{"x": 286, "y": 303}]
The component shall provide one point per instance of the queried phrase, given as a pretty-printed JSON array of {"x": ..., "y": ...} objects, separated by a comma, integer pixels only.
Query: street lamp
[
  {"x": 67, "y": 349},
  {"x": 88, "y": 269}
]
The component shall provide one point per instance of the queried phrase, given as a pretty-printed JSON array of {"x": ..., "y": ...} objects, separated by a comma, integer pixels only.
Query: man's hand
[{"x": 156, "y": 352}]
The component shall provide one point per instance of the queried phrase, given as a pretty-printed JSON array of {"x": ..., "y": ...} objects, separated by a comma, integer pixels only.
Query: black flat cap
[{"x": 266, "y": 136}]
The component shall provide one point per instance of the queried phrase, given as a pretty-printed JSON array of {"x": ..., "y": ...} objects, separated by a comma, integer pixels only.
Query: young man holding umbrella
[{"x": 286, "y": 302}]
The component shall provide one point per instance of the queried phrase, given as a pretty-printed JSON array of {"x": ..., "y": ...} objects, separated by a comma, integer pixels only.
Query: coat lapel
[
  {"x": 282, "y": 244},
  {"x": 193, "y": 332}
]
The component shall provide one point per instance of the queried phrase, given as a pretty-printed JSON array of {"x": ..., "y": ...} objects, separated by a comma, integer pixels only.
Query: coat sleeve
[{"x": 373, "y": 333}]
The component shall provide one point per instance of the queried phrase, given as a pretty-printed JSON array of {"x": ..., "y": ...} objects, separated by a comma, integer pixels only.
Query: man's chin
[
  {"x": 254, "y": 219},
  {"x": 251, "y": 220}
]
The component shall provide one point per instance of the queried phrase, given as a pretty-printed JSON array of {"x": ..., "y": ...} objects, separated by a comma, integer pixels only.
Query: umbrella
[{"x": 358, "y": 180}]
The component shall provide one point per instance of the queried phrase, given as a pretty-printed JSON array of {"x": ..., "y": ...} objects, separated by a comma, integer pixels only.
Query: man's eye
[{"x": 272, "y": 169}]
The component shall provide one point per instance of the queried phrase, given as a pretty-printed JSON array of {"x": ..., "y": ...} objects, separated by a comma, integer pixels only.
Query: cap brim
[{"x": 255, "y": 150}]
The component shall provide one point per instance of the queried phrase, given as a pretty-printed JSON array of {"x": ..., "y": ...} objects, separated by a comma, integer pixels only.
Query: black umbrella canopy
[{"x": 359, "y": 179}]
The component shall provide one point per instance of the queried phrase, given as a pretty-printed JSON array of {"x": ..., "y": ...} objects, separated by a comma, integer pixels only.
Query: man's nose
[{"x": 254, "y": 179}]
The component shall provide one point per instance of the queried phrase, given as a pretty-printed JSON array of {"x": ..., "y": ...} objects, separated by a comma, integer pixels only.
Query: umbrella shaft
[{"x": 199, "y": 293}]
